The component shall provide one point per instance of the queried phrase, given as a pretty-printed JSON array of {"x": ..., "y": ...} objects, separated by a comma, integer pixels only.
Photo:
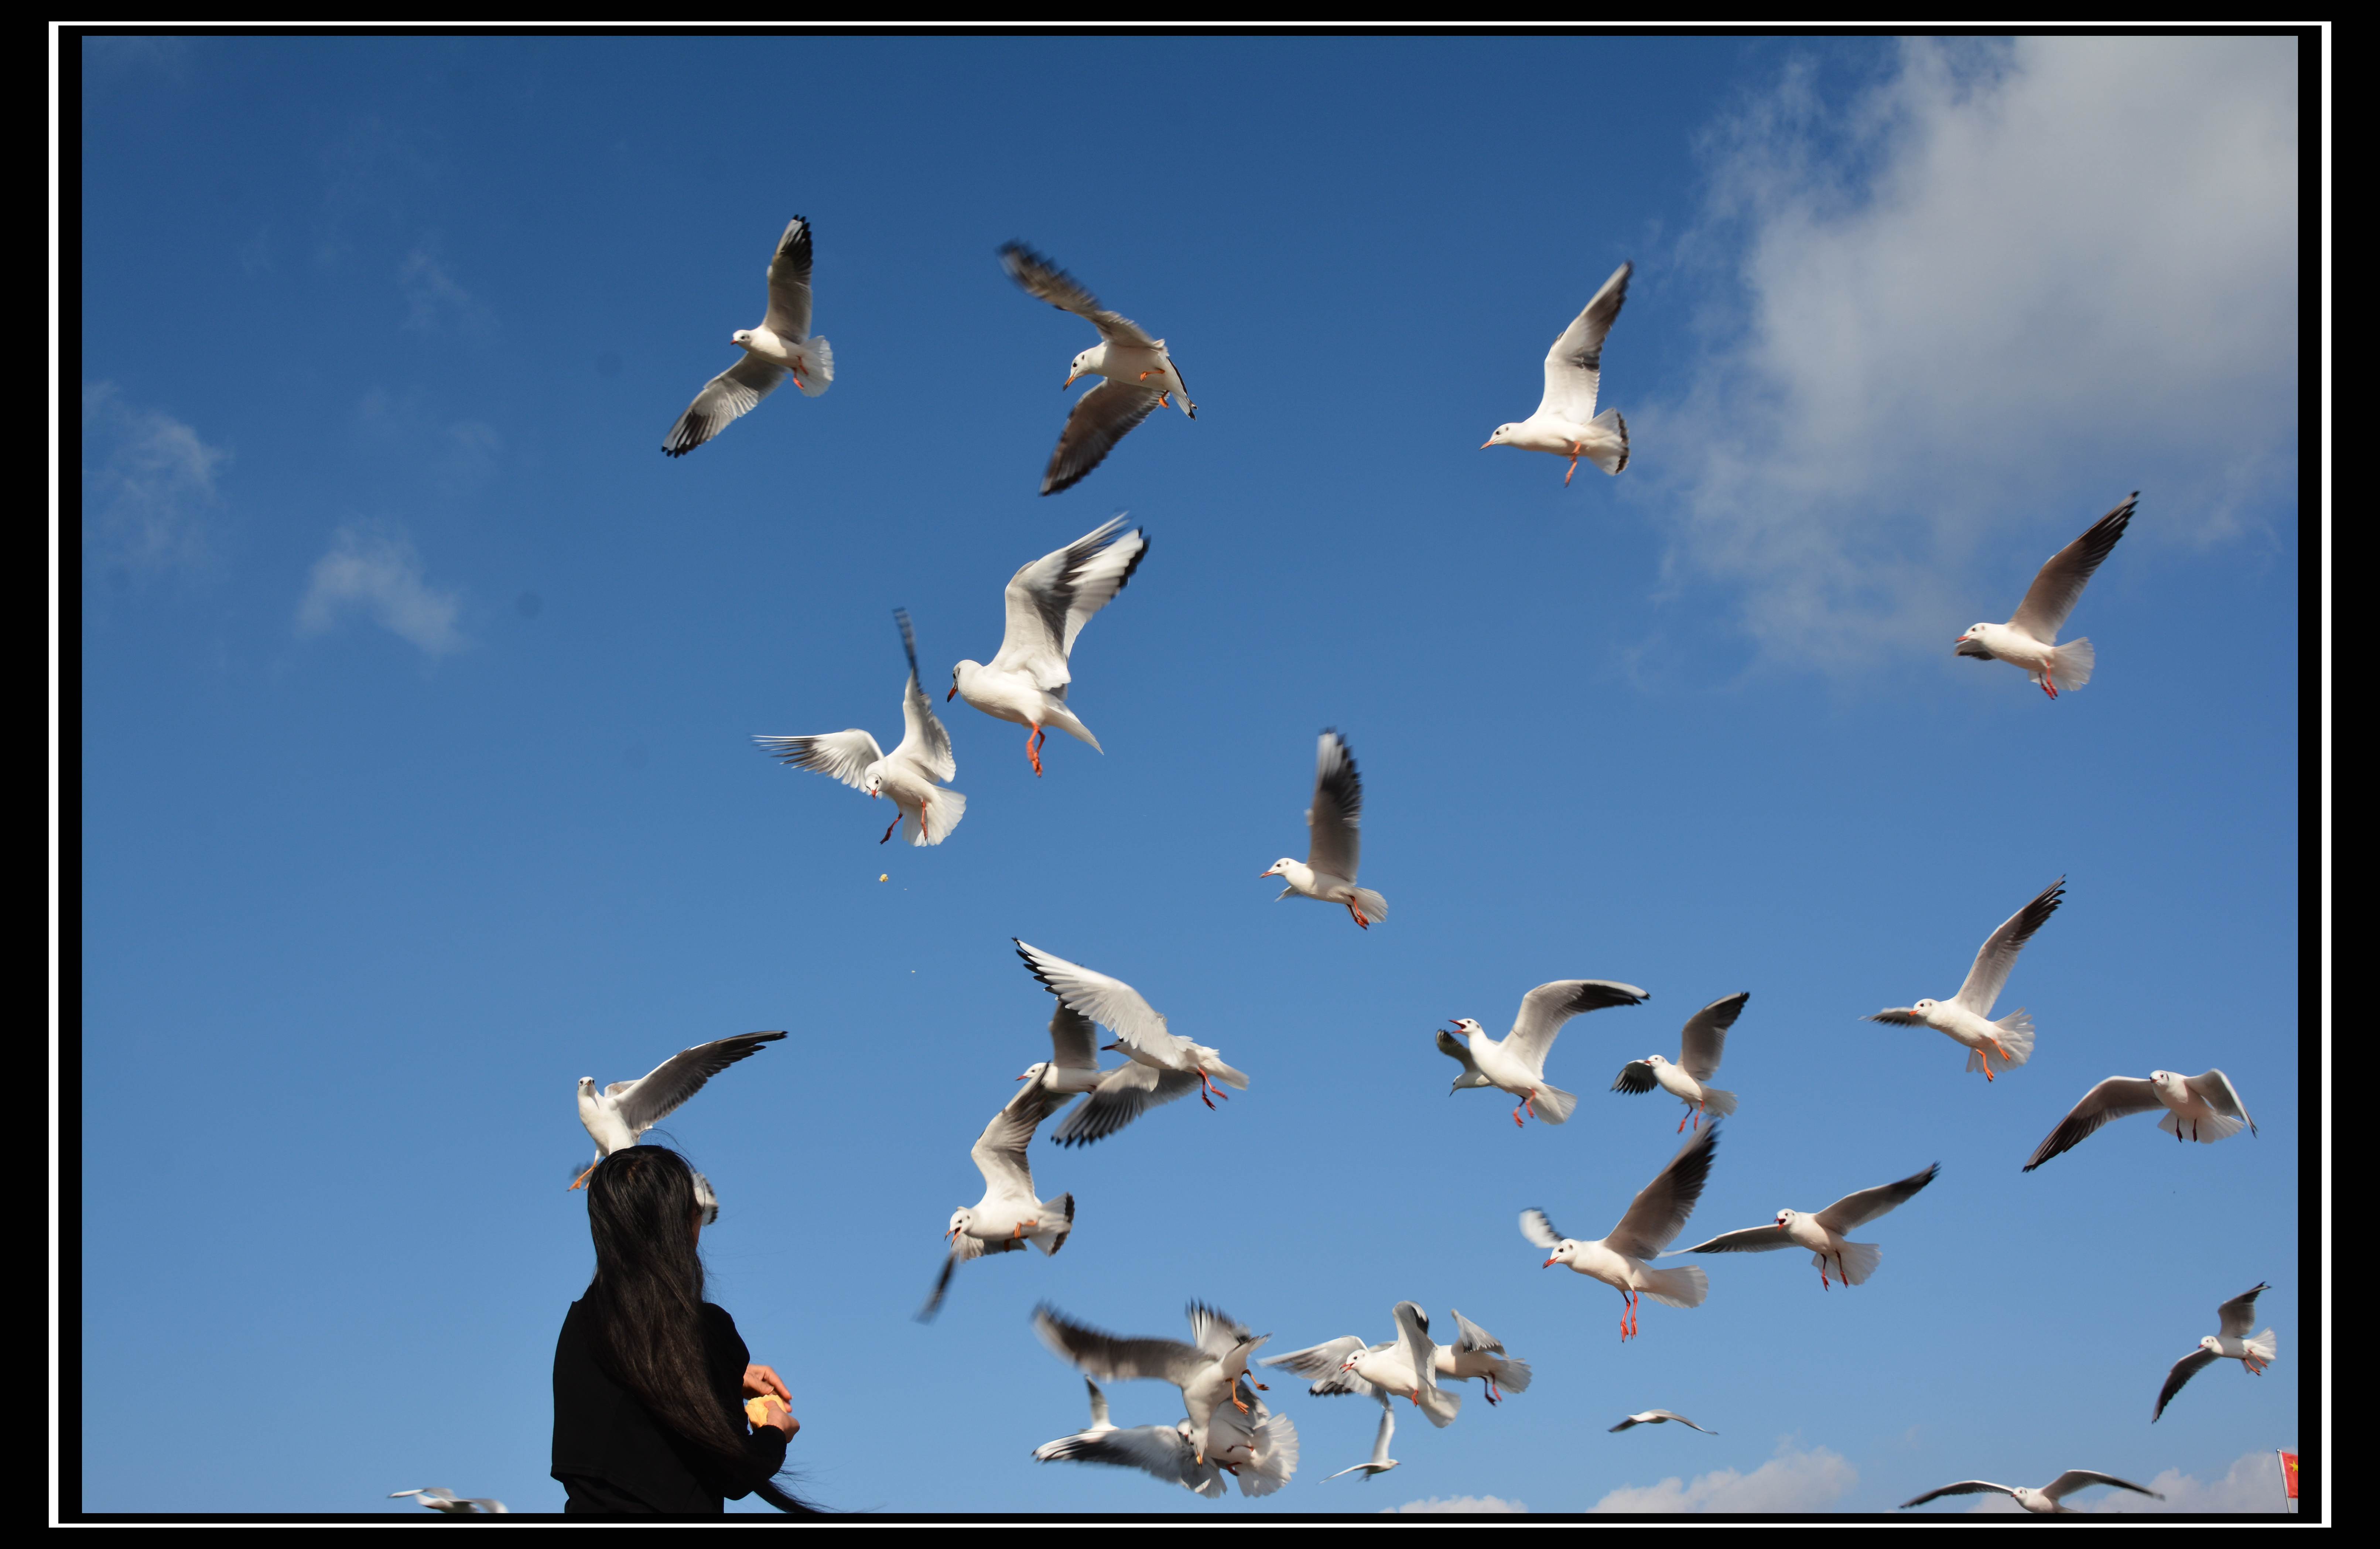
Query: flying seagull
[
  {"x": 781, "y": 345},
  {"x": 1660, "y": 1417},
  {"x": 2206, "y": 1105},
  {"x": 1011, "y": 1213},
  {"x": 1332, "y": 840},
  {"x": 1116, "y": 1096},
  {"x": 2028, "y": 640},
  {"x": 1965, "y": 1018},
  {"x": 1407, "y": 1367},
  {"x": 908, "y": 774},
  {"x": 439, "y": 1498},
  {"x": 1207, "y": 1370},
  {"x": 2237, "y": 1315},
  {"x": 1380, "y": 1462},
  {"x": 621, "y": 1112},
  {"x": 1125, "y": 360},
  {"x": 1517, "y": 1061},
  {"x": 1823, "y": 1233},
  {"x": 2043, "y": 1502},
  {"x": 1140, "y": 1029},
  {"x": 1699, "y": 1048},
  {"x": 1478, "y": 1353},
  {"x": 1653, "y": 1220},
  {"x": 1161, "y": 1451},
  {"x": 1566, "y": 423},
  {"x": 1049, "y": 601}
]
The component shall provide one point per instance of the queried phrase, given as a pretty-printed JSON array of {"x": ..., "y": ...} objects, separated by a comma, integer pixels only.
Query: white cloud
[
  {"x": 1491, "y": 1505},
  {"x": 2003, "y": 270},
  {"x": 149, "y": 478},
  {"x": 432, "y": 292},
  {"x": 376, "y": 573},
  {"x": 1792, "y": 1480},
  {"x": 2252, "y": 1485}
]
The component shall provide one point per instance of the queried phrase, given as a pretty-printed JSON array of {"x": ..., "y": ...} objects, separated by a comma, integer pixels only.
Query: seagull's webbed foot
[{"x": 1237, "y": 1405}]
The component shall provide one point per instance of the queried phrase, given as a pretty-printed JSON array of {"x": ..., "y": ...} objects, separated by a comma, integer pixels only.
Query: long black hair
[{"x": 646, "y": 1299}]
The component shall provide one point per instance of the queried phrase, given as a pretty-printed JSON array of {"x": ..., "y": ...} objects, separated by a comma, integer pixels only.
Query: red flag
[{"x": 2290, "y": 1473}]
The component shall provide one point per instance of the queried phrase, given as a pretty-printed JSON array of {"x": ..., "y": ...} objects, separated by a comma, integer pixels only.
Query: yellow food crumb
[
  {"x": 758, "y": 1409},
  {"x": 885, "y": 878}
]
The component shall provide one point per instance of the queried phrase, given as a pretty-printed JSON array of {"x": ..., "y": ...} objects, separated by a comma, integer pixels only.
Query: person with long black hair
[{"x": 649, "y": 1379}]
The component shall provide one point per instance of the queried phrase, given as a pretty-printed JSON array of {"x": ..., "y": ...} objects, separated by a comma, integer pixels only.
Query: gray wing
[
  {"x": 2116, "y": 1097},
  {"x": 1545, "y": 1008},
  {"x": 789, "y": 284},
  {"x": 1318, "y": 1360},
  {"x": 1636, "y": 1076},
  {"x": 843, "y": 754},
  {"x": 1049, "y": 600},
  {"x": 1659, "y": 1211},
  {"x": 2183, "y": 1370},
  {"x": 1857, "y": 1210},
  {"x": 1470, "y": 1337},
  {"x": 1705, "y": 1038},
  {"x": 1160, "y": 1451},
  {"x": 1334, "y": 837},
  {"x": 1899, "y": 1016},
  {"x": 2238, "y": 1314},
  {"x": 1339, "y": 1385},
  {"x": 1096, "y": 1353},
  {"x": 1413, "y": 1334},
  {"x": 1108, "y": 1001},
  {"x": 1217, "y": 1332},
  {"x": 1964, "y": 1487},
  {"x": 2000, "y": 949},
  {"x": 1101, "y": 417},
  {"x": 658, "y": 1094},
  {"x": 1073, "y": 1043},
  {"x": 963, "y": 1249},
  {"x": 1122, "y": 1096},
  {"x": 1539, "y": 1230},
  {"x": 724, "y": 399},
  {"x": 1574, "y": 365},
  {"x": 2060, "y": 585},
  {"x": 923, "y": 741},
  {"x": 1456, "y": 1049},
  {"x": 1041, "y": 278},
  {"x": 999, "y": 1152},
  {"x": 2077, "y": 1479},
  {"x": 2219, "y": 1093},
  {"x": 1751, "y": 1239}
]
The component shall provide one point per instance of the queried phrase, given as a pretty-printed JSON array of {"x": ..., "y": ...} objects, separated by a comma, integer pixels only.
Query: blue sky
[{"x": 417, "y": 691}]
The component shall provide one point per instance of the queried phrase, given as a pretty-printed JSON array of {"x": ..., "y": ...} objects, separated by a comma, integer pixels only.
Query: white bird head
[
  {"x": 2167, "y": 1082},
  {"x": 1036, "y": 1071},
  {"x": 1279, "y": 868},
  {"x": 1090, "y": 359},
  {"x": 959, "y": 671},
  {"x": 1924, "y": 1007},
  {"x": 1466, "y": 1028},
  {"x": 2211, "y": 1343},
  {"x": 586, "y": 1085},
  {"x": 1655, "y": 1060},
  {"x": 1501, "y": 434},
  {"x": 1785, "y": 1219},
  {"x": 960, "y": 1219},
  {"x": 741, "y": 336},
  {"x": 1563, "y": 1251},
  {"x": 872, "y": 781}
]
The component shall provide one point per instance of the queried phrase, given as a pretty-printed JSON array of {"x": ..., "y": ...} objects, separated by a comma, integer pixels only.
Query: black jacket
[{"x": 615, "y": 1458}]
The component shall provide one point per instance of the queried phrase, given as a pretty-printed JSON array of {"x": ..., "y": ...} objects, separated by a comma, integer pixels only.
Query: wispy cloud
[
  {"x": 1792, "y": 1480},
  {"x": 1477, "y": 1504},
  {"x": 374, "y": 571},
  {"x": 432, "y": 293},
  {"x": 2252, "y": 1485},
  {"x": 150, "y": 479},
  {"x": 2002, "y": 271}
]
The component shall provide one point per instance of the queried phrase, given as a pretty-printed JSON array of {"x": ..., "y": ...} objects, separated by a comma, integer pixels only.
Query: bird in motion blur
[
  {"x": 1565, "y": 422},
  {"x": 1334, "y": 839},
  {"x": 907, "y": 775},
  {"x": 2029, "y": 640},
  {"x": 623, "y": 1111},
  {"x": 1137, "y": 373},
  {"x": 1049, "y": 601}
]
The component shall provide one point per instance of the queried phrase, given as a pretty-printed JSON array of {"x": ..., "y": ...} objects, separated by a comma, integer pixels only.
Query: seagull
[
  {"x": 1162, "y": 1451},
  {"x": 2207, "y": 1103},
  {"x": 781, "y": 346},
  {"x": 1823, "y": 1233},
  {"x": 1258, "y": 1449},
  {"x": 1566, "y": 423},
  {"x": 1125, "y": 359},
  {"x": 2028, "y": 639},
  {"x": 620, "y": 1114},
  {"x": 1207, "y": 1370},
  {"x": 1517, "y": 1061},
  {"x": 1117, "y": 1096},
  {"x": 705, "y": 1199},
  {"x": 1380, "y": 1462},
  {"x": 2042, "y": 1502},
  {"x": 908, "y": 774},
  {"x": 1653, "y": 1220},
  {"x": 1407, "y": 1367},
  {"x": 1698, "y": 1055},
  {"x": 1332, "y": 841},
  {"x": 1009, "y": 1214},
  {"x": 1478, "y": 1353},
  {"x": 1048, "y": 602},
  {"x": 1965, "y": 1018},
  {"x": 440, "y": 1498},
  {"x": 1660, "y": 1417},
  {"x": 1140, "y": 1031},
  {"x": 2239, "y": 1315}
]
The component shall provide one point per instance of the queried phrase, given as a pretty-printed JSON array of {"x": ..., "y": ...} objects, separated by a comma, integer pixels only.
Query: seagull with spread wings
[
  {"x": 1160, "y": 1451},
  {"x": 1333, "y": 840},
  {"x": 2029, "y": 639},
  {"x": 1699, "y": 1048},
  {"x": 440, "y": 1498},
  {"x": 1116, "y": 1097},
  {"x": 1516, "y": 1062},
  {"x": 2043, "y": 1502},
  {"x": 2206, "y": 1105},
  {"x": 1207, "y": 1370},
  {"x": 2238, "y": 1316},
  {"x": 1136, "y": 374},
  {"x": 620, "y": 1114},
  {"x": 780, "y": 347},
  {"x": 1660, "y": 1417},
  {"x": 1565, "y": 422},
  {"x": 1653, "y": 1220},
  {"x": 1011, "y": 1213},
  {"x": 1049, "y": 601},
  {"x": 1407, "y": 1366},
  {"x": 909, "y": 774},
  {"x": 1965, "y": 1018},
  {"x": 1141, "y": 1033},
  {"x": 1823, "y": 1233},
  {"x": 1478, "y": 1353}
]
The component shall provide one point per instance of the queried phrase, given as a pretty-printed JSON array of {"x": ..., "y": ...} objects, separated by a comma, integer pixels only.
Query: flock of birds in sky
[{"x": 1227, "y": 1429}]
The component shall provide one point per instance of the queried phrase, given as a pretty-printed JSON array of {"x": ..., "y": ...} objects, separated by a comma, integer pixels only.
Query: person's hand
[
  {"x": 758, "y": 1380},
  {"x": 775, "y": 1412}
]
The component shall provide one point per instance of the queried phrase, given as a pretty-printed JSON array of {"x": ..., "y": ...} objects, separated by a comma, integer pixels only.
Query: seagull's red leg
[
  {"x": 888, "y": 832},
  {"x": 580, "y": 1181},
  {"x": 1033, "y": 748},
  {"x": 1574, "y": 464},
  {"x": 1209, "y": 1087},
  {"x": 1358, "y": 914},
  {"x": 1681, "y": 1119}
]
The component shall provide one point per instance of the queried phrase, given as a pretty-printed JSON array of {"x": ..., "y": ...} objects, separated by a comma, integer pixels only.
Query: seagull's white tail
[
  {"x": 818, "y": 356},
  {"x": 1059, "y": 1213},
  {"x": 2070, "y": 664},
  {"x": 943, "y": 810},
  {"x": 2264, "y": 1346},
  {"x": 1676, "y": 1287},
  {"x": 2206, "y": 1131},
  {"x": 1440, "y": 1405},
  {"x": 1512, "y": 1376},
  {"x": 1064, "y": 721},
  {"x": 1374, "y": 906},
  {"x": 1276, "y": 1458},
  {"x": 2016, "y": 1037},
  {"x": 1228, "y": 1076},
  {"x": 1718, "y": 1104},
  {"x": 1611, "y": 454},
  {"x": 1552, "y": 1104},
  {"x": 1859, "y": 1261}
]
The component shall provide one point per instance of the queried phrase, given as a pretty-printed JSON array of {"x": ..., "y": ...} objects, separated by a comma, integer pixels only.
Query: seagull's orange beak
[
  {"x": 1025, "y": 1078},
  {"x": 947, "y": 697},
  {"x": 1547, "y": 1265},
  {"x": 1486, "y": 444},
  {"x": 1069, "y": 381}
]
